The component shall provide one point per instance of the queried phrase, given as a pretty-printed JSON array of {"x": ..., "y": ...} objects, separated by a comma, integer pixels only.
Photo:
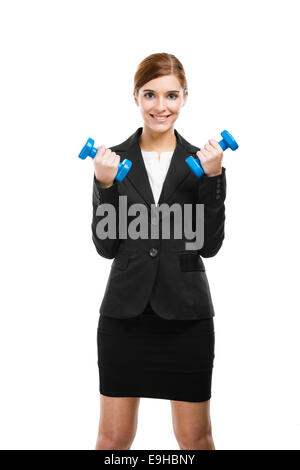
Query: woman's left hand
[{"x": 211, "y": 158}]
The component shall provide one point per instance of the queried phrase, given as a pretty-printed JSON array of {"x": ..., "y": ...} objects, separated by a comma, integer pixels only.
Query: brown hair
[{"x": 158, "y": 65}]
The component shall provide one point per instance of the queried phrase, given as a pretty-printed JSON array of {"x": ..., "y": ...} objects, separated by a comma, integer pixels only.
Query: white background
[{"x": 67, "y": 74}]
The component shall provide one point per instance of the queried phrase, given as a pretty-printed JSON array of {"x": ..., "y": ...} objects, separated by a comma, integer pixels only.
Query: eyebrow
[{"x": 170, "y": 91}]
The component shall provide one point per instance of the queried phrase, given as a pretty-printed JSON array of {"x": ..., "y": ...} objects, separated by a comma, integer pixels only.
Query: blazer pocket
[
  {"x": 121, "y": 261},
  {"x": 191, "y": 262}
]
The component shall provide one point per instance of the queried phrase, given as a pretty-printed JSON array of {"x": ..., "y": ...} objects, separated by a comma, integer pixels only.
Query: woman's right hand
[{"x": 106, "y": 165}]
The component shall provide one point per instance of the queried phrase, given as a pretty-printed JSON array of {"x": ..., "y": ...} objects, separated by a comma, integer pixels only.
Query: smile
[{"x": 160, "y": 118}]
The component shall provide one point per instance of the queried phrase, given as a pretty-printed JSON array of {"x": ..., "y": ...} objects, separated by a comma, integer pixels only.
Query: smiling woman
[
  {"x": 156, "y": 332},
  {"x": 160, "y": 91}
]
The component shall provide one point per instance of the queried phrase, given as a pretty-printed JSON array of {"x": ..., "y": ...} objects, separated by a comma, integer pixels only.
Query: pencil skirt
[{"x": 151, "y": 357}]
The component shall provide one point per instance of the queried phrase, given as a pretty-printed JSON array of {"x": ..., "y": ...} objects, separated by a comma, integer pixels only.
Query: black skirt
[{"x": 148, "y": 356}]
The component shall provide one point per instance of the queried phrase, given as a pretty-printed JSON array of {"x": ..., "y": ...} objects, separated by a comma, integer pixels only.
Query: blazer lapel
[
  {"x": 138, "y": 175},
  {"x": 177, "y": 172}
]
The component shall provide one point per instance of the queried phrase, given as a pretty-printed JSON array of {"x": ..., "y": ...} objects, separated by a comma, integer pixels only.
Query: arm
[
  {"x": 109, "y": 246},
  {"x": 212, "y": 193}
]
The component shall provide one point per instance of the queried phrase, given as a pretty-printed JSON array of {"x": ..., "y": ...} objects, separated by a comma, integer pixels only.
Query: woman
[{"x": 155, "y": 333}]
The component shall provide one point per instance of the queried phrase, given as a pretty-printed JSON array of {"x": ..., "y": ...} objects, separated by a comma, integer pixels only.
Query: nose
[{"x": 160, "y": 105}]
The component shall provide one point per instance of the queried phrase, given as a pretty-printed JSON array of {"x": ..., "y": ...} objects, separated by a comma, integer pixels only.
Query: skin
[
  {"x": 119, "y": 415},
  {"x": 118, "y": 422},
  {"x": 119, "y": 419}
]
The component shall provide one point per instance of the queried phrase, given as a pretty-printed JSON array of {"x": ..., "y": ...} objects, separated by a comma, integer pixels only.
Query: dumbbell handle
[{"x": 90, "y": 151}]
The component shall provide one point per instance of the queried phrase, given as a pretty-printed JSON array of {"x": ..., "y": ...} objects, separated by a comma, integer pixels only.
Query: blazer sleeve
[
  {"x": 108, "y": 247},
  {"x": 212, "y": 193}
]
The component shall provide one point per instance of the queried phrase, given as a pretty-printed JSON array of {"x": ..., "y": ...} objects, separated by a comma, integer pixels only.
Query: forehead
[{"x": 166, "y": 83}]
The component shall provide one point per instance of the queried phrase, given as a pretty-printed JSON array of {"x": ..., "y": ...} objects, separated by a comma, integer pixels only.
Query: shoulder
[
  {"x": 126, "y": 144},
  {"x": 186, "y": 144}
]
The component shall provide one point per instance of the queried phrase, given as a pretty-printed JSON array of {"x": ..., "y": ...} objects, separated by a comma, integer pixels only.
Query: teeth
[{"x": 161, "y": 118}]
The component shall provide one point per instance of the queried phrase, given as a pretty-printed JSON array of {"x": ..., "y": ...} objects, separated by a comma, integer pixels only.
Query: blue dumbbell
[
  {"x": 90, "y": 151},
  {"x": 227, "y": 142}
]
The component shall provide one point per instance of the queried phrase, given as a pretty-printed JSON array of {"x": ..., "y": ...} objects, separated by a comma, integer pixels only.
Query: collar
[{"x": 177, "y": 172}]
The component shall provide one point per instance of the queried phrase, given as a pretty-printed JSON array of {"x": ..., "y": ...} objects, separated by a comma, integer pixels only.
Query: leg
[
  {"x": 192, "y": 426},
  {"x": 118, "y": 422}
]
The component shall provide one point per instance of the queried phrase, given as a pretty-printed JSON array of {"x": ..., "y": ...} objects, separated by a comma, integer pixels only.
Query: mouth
[{"x": 158, "y": 118}]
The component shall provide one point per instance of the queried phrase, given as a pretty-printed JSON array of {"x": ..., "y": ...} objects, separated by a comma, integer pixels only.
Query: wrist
[
  {"x": 214, "y": 174},
  {"x": 102, "y": 185}
]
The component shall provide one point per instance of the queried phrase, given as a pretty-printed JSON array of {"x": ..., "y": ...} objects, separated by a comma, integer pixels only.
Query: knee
[
  {"x": 201, "y": 440},
  {"x": 115, "y": 440}
]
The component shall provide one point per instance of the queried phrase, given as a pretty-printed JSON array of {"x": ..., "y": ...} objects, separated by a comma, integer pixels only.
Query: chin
[{"x": 159, "y": 127}]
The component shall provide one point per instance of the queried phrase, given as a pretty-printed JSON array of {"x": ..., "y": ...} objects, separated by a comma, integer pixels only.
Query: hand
[
  {"x": 211, "y": 158},
  {"x": 106, "y": 165}
]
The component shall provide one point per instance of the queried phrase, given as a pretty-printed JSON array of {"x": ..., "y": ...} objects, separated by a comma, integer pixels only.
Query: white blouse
[{"x": 157, "y": 169}]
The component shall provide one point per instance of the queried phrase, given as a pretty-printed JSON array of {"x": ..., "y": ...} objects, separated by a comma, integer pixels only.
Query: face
[{"x": 160, "y": 101}]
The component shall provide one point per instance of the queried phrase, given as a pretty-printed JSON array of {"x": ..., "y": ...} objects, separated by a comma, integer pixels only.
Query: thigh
[
  {"x": 190, "y": 418},
  {"x": 118, "y": 415}
]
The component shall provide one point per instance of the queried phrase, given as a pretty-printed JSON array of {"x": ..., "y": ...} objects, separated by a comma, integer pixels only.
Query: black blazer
[{"x": 160, "y": 270}]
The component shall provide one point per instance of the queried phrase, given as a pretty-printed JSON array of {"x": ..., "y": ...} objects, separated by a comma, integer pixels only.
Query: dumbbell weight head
[
  {"x": 88, "y": 150},
  {"x": 124, "y": 168},
  {"x": 228, "y": 141},
  {"x": 195, "y": 166}
]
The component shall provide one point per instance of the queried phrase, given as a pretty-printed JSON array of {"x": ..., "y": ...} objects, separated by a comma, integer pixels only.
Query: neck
[{"x": 151, "y": 140}]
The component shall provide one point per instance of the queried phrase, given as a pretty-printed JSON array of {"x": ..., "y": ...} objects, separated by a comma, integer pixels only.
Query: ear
[
  {"x": 135, "y": 99},
  {"x": 185, "y": 98}
]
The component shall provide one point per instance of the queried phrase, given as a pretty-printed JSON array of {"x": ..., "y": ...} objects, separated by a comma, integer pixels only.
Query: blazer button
[{"x": 153, "y": 252}]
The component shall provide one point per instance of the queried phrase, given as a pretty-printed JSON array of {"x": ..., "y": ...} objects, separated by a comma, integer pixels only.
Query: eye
[{"x": 171, "y": 94}]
